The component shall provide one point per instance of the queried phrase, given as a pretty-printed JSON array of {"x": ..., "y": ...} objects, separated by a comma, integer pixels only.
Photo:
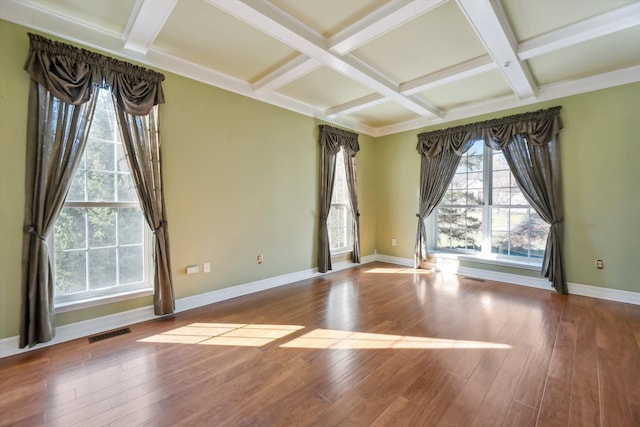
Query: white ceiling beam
[
  {"x": 379, "y": 22},
  {"x": 598, "y": 26},
  {"x": 286, "y": 74},
  {"x": 150, "y": 17},
  {"x": 439, "y": 78},
  {"x": 449, "y": 75},
  {"x": 491, "y": 24},
  {"x": 266, "y": 18},
  {"x": 356, "y": 105}
]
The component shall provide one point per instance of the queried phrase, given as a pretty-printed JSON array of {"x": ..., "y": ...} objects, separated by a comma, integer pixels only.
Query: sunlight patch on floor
[
  {"x": 333, "y": 339},
  {"x": 257, "y": 335},
  {"x": 386, "y": 270},
  {"x": 228, "y": 334}
]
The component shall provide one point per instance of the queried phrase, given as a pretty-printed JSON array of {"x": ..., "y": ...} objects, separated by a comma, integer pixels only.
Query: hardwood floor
[{"x": 375, "y": 345}]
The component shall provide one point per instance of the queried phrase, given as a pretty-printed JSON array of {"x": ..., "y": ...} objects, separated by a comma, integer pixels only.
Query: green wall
[
  {"x": 241, "y": 179},
  {"x": 600, "y": 151}
]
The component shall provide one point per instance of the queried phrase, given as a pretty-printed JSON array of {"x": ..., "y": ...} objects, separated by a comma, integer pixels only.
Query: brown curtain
[
  {"x": 64, "y": 80},
  {"x": 56, "y": 136},
  {"x": 435, "y": 175},
  {"x": 141, "y": 141},
  {"x": 352, "y": 185},
  {"x": 529, "y": 142},
  {"x": 331, "y": 140}
]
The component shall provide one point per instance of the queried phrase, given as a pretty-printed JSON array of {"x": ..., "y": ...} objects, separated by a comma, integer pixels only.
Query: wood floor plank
[
  {"x": 556, "y": 400},
  {"x": 376, "y": 345}
]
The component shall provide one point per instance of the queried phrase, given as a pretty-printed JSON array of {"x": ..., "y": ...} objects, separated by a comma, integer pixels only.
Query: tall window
[
  {"x": 484, "y": 211},
  {"x": 101, "y": 239},
  {"x": 340, "y": 221}
]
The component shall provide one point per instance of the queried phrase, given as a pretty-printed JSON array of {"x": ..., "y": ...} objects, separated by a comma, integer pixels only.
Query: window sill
[
  {"x": 102, "y": 300},
  {"x": 488, "y": 259},
  {"x": 341, "y": 252}
]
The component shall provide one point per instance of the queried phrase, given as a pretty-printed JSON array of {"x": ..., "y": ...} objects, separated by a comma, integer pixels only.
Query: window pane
[
  {"x": 100, "y": 186},
  {"x": 501, "y": 178},
  {"x": 126, "y": 190},
  {"x": 100, "y": 156},
  {"x": 130, "y": 226},
  {"x": 459, "y": 181},
  {"x": 131, "y": 262},
  {"x": 76, "y": 190},
  {"x": 500, "y": 242},
  {"x": 458, "y": 197},
  {"x": 499, "y": 162},
  {"x": 70, "y": 231},
  {"x": 71, "y": 272},
  {"x": 338, "y": 226},
  {"x": 102, "y": 268},
  {"x": 500, "y": 219},
  {"x": 102, "y": 227},
  {"x": 500, "y": 196},
  {"x": 474, "y": 162},
  {"x": 517, "y": 198}
]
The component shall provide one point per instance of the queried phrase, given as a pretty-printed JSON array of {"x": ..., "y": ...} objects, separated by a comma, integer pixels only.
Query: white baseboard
[
  {"x": 9, "y": 346},
  {"x": 407, "y": 262},
  {"x": 617, "y": 295},
  {"x": 535, "y": 282}
]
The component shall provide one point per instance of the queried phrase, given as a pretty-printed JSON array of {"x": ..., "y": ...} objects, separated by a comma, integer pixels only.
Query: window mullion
[
  {"x": 487, "y": 180},
  {"x": 86, "y": 249}
]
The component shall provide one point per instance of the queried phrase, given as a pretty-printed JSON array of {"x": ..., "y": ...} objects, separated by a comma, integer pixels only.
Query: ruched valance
[
  {"x": 538, "y": 127},
  {"x": 69, "y": 73},
  {"x": 334, "y": 138}
]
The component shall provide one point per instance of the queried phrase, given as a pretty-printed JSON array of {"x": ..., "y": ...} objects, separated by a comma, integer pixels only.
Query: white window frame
[
  {"x": 485, "y": 255},
  {"x": 116, "y": 292},
  {"x": 346, "y": 208}
]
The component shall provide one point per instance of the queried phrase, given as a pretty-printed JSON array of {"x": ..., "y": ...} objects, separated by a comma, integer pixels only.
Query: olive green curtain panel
[
  {"x": 536, "y": 169},
  {"x": 435, "y": 175},
  {"x": 62, "y": 95},
  {"x": 57, "y": 133},
  {"x": 331, "y": 140},
  {"x": 141, "y": 141},
  {"x": 352, "y": 185},
  {"x": 529, "y": 142}
]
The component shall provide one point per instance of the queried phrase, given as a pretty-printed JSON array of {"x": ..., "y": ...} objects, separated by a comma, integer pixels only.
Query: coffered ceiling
[{"x": 376, "y": 67}]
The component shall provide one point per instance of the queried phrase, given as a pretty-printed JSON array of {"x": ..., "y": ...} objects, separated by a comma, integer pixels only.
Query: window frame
[
  {"x": 485, "y": 254},
  {"x": 115, "y": 292},
  {"x": 346, "y": 205}
]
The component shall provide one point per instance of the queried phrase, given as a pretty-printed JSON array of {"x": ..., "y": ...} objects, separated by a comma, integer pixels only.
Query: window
[
  {"x": 340, "y": 221},
  {"x": 101, "y": 240},
  {"x": 484, "y": 211}
]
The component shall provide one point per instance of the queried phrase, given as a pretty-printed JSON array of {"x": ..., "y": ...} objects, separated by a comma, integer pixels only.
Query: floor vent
[
  {"x": 109, "y": 334},
  {"x": 475, "y": 279}
]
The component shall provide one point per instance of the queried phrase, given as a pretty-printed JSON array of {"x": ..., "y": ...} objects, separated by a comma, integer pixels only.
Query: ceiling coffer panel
[{"x": 373, "y": 66}]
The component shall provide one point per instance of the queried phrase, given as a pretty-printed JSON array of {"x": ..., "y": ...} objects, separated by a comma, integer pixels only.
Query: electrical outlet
[
  {"x": 394, "y": 242},
  {"x": 599, "y": 264},
  {"x": 207, "y": 267},
  {"x": 259, "y": 259},
  {"x": 192, "y": 269}
]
